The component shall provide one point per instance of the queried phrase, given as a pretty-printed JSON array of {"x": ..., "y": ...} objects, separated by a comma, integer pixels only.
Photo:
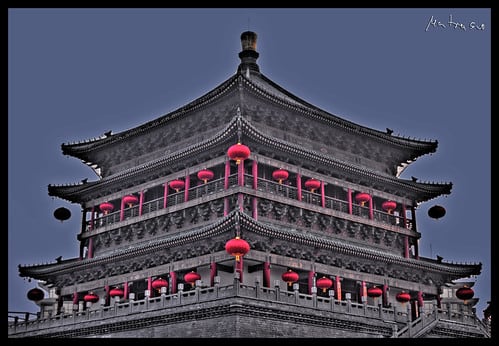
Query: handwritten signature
[{"x": 433, "y": 22}]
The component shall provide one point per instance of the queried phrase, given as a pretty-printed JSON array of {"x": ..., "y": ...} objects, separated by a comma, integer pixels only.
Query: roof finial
[{"x": 248, "y": 55}]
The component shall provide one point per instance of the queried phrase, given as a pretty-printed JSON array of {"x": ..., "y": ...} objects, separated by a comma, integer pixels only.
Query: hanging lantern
[
  {"x": 205, "y": 175},
  {"x": 238, "y": 152},
  {"x": 192, "y": 277},
  {"x": 312, "y": 184},
  {"x": 177, "y": 184},
  {"x": 374, "y": 292},
  {"x": 130, "y": 200},
  {"x": 362, "y": 198},
  {"x": 389, "y": 206},
  {"x": 324, "y": 283},
  {"x": 465, "y": 293},
  {"x": 116, "y": 292},
  {"x": 280, "y": 175},
  {"x": 403, "y": 297},
  {"x": 290, "y": 277},
  {"x": 106, "y": 207},
  {"x": 436, "y": 212},
  {"x": 62, "y": 214},
  {"x": 237, "y": 247},
  {"x": 159, "y": 283},
  {"x": 35, "y": 294},
  {"x": 91, "y": 298}
]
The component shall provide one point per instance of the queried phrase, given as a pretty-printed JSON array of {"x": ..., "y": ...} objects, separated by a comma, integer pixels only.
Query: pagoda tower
[{"x": 250, "y": 212}]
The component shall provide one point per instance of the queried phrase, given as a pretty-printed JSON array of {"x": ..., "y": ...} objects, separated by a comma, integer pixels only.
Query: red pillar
[
  {"x": 420, "y": 299},
  {"x": 239, "y": 268},
  {"x": 240, "y": 173},
  {"x": 298, "y": 185},
  {"x": 165, "y": 196},
  {"x": 311, "y": 276},
  {"x": 227, "y": 174},
  {"x": 213, "y": 273},
  {"x": 323, "y": 196},
  {"x": 254, "y": 169},
  {"x": 187, "y": 186},
  {"x": 384, "y": 296},
  {"x": 122, "y": 210},
  {"x": 371, "y": 213},
  {"x": 337, "y": 285},
  {"x": 266, "y": 274},
  {"x": 149, "y": 286},
  {"x": 349, "y": 193},
  {"x": 364, "y": 291},
  {"x": 141, "y": 201},
  {"x": 125, "y": 290},
  {"x": 173, "y": 282},
  {"x": 90, "y": 253},
  {"x": 255, "y": 208},
  {"x": 92, "y": 218},
  {"x": 75, "y": 297}
]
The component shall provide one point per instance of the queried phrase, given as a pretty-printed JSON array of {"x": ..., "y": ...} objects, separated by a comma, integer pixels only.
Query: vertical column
[
  {"x": 311, "y": 283},
  {"x": 240, "y": 201},
  {"x": 173, "y": 282},
  {"x": 349, "y": 196},
  {"x": 255, "y": 187},
  {"x": 254, "y": 169},
  {"x": 439, "y": 300},
  {"x": 226, "y": 186},
  {"x": 323, "y": 196},
  {"x": 83, "y": 220},
  {"x": 90, "y": 247},
  {"x": 413, "y": 217},
  {"x": 337, "y": 286},
  {"x": 371, "y": 212},
  {"x": 416, "y": 248},
  {"x": 82, "y": 247},
  {"x": 363, "y": 292},
  {"x": 420, "y": 301},
  {"x": 266, "y": 273},
  {"x": 384, "y": 296},
  {"x": 187, "y": 186},
  {"x": 125, "y": 290},
  {"x": 406, "y": 246},
  {"x": 165, "y": 196},
  {"x": 92, "y": 219},
  {"x": 213, "y": 272},
  {"x": 122, "y": 209},
  {"x": 141, "y": 202},
  {"x": 240, "y": 173},
  {"x": 239, "y": 268},
  {"x": 149, "y": 286},
  {"x": 75, "y": 297},
  {"x": 106, "y": 297},
  {"x": 404, "y": 215},
  {"x": 298, "y": 186}
]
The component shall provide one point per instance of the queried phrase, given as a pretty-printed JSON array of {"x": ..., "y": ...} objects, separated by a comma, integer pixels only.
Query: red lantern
[
  {"x": 35, "y": 294},
  {"x": 192, "y": 277},
  {"x": 237, "y": 247},
  {"x": 91, "y": 298},
  {"x": 362, "y": 198},
  {"x": 238, "y": 152},
  {"x": 130, "y": 200},
  {"x": 159, "y": 283},
  {"x": 116, "y": 292},
  {"x": 374, "y": 292},
  {"x": 312, "y": 184},
  {"x": 106, "y": 207},
  {"x": 177, "y": 184},
  {"x": 280, "y": 175},
  {"x": 436, "y": 212},
  {"x": 324, "y": 283},
  {"x": 205, "y": 175},
  {"x": 403, "y": 297},
  {"x": 389, "y": 206},
  {"x": 465, "y": 293},
  {"x": 290, "y": 277}
]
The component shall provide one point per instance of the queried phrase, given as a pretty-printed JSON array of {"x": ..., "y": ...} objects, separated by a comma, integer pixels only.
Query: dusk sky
[{"x": 77, "y": 73}]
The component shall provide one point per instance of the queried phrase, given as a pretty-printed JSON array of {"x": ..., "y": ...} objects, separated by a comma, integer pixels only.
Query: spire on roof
[{"x": 248, "y": 55}]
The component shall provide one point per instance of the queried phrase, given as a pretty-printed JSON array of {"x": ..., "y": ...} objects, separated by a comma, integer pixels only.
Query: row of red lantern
[{"x": 363, "y": 197}]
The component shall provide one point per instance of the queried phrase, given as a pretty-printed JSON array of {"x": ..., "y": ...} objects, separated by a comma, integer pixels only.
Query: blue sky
[{"x": 77, "y": 73}]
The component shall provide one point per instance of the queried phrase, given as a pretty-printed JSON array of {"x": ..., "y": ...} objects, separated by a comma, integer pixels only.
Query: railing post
[
  {"x": 314, "y": 296},
  {"x": 216, "y": 283},
  {"x": 296, "y": 288},
  {"x": 257, "y": 286},
  {"x": 180, "y": 290},
  {"x": 198, "y": 288},
  {"x": 331, "y": 297},
  {"x": 236, "y": 283},
  {"x": 348, "y": 297},
  {"x": 131, "y": 298},
  {"x": 380, "y": 311},
  {"x": 277, "y": 290}
]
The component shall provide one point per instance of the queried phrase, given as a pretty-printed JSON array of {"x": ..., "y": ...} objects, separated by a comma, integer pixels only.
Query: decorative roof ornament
[{"x": 248, "y": 55}]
